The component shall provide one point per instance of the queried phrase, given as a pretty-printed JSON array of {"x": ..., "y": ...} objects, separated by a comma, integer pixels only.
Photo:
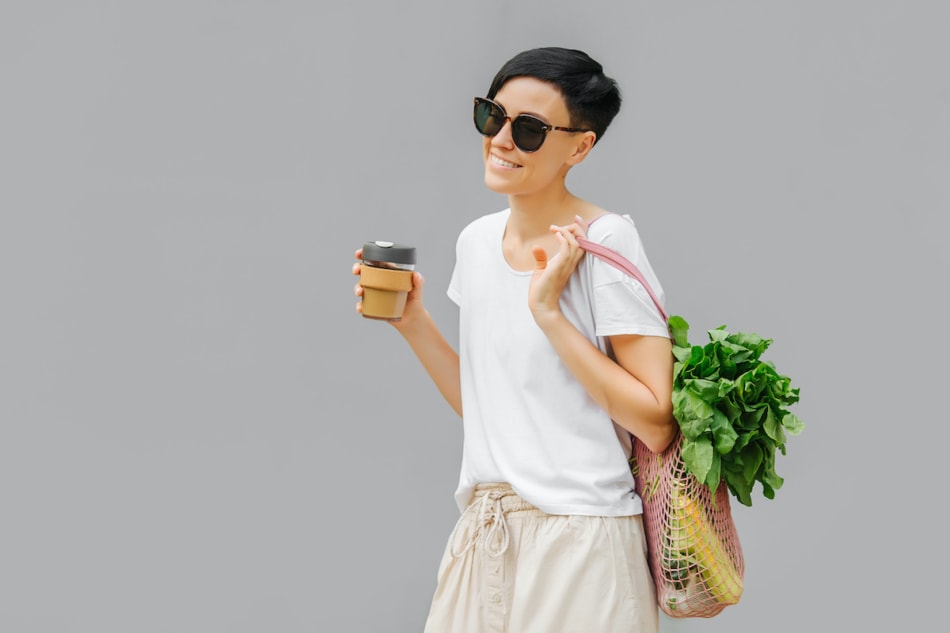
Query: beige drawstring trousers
[{"x": 511, "y": 568}]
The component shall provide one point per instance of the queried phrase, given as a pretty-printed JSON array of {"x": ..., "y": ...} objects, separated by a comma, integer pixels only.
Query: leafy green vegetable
[{"x": 732, "y": 408}]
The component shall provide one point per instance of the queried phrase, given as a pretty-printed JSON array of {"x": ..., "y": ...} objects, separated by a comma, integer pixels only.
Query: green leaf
[
  {"x": 697, "y": 456},
  {"x": 693, "y": 413},
  {"x": 692, "y": 366},
  {"x": 682, "y": 354},
  {"x": 745, "y": 438},
  {"x": 734, "y": 353},
  {"x": 773, "y": 427},
  {"x": 725, "y": 387},
  {"x": 726, "y": 405},
  {"x": 731, "y": 408},
  {"x": 792, "y": 424},
  {"x": 751, "y": 341},
  {"x": 743, "y": 493},
  {"x": 708, "y": 390},
  {"x": 714, "y": 476},
  {"x": 752, "y": 416},
  {"x": 773, "y": 480},
  {"x": 724, "y": 436},
  {"x": 751, "y": 457},
  {"x": 694, "y": 428},
  {"x": 680, "y": 330}
]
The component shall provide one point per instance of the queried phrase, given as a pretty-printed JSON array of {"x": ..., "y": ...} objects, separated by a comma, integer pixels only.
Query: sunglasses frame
[{"x": 545, "y": 127}]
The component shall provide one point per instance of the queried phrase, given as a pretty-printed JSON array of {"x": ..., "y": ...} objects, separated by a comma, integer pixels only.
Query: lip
[{"x": 498, "y": 161}]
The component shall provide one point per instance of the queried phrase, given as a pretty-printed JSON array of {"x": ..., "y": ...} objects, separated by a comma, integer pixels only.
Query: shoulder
[
  {"x": 610, "y": 223},
  {"x": 624, "y": 304},
  {"x": 617, "y": 231}
]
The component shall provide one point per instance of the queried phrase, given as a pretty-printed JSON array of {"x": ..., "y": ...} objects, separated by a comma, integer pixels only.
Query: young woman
[{"x": 561, "y": 359}]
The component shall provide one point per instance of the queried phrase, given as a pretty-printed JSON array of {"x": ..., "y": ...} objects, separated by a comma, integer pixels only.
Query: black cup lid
[{"x": 389, "y": 252}]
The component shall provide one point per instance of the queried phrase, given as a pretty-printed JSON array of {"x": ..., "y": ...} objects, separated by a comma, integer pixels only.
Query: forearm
[
  {"x": 437, "y": 356},
  {"x": 629, "y": 401}
]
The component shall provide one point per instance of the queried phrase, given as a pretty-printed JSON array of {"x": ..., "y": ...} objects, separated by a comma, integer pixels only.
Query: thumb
[
  {"x": 540, "y": 258},
  {"x": 418, "y": 281}
]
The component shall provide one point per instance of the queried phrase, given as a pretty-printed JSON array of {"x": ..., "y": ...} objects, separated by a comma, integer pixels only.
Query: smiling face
[{"x": 511, "y": 171}]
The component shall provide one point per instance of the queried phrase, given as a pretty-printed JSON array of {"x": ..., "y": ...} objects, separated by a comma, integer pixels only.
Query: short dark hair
[{"x": 592, "y": 98}]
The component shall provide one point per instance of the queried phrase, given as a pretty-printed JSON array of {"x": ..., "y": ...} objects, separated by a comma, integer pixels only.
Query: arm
[
  {"x": 425, "y": 339},
  {"x": 636, "y": 390},
  {"x": 434, "y": 352}
]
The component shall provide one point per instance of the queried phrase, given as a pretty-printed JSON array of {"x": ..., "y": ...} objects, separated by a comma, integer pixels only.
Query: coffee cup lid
[{"x": 380, "y": 251}]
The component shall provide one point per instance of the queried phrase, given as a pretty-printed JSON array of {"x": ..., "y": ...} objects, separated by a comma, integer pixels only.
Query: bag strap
[{"x": 617, "y": 260}]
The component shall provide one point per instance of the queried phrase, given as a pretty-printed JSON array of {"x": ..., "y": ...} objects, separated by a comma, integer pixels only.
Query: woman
[{"x": 561, "y": 358}]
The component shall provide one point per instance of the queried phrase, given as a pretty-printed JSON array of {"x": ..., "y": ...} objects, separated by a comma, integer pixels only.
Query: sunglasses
[{"x": 528, "y": 132}]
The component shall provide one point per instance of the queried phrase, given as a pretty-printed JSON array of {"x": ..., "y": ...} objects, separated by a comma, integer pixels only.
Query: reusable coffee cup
[{"x": 386, "y": 277}]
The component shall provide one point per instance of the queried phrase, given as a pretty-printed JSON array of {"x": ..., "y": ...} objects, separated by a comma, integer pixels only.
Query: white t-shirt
[{"x": 527, "y": 421}]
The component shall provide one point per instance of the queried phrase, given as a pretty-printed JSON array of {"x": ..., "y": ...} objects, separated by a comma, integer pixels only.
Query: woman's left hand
[{"x": 551, "y": 275}]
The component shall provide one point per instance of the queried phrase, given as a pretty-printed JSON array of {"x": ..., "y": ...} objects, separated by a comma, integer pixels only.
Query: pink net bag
[{"x": 693, "y": 547}]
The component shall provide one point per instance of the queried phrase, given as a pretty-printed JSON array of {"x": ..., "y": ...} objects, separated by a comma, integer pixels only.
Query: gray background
[{"x": 199, "y": 434}]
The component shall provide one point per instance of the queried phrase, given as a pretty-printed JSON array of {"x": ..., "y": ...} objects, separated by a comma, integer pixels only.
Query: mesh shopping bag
[{"x": 693, "y": 547}]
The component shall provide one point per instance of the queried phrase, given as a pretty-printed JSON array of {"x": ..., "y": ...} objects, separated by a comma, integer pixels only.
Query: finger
[
  {"x": 581, "y": 226},
  {"x": 570, "y": 235},
  {"x": 418, "y": 280},
  {"x": 570, "y": 249},
  {"x": 565, "y": 233},
  {"x": 358, "y": 290},
  {"x": 415, "y": 293},
  {"x": 540, "y": 258},
  {"x": 356, "y": 268},
  {"x": 359, "y": 253}
]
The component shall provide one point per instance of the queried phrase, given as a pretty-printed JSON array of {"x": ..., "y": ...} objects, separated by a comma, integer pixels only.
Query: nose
[{"x": 503, "y": 138}]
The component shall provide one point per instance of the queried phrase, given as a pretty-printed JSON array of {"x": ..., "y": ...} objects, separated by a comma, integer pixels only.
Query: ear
[{"x": 585, "y": 141}]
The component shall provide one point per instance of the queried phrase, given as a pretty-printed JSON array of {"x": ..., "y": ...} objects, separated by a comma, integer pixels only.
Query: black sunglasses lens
[
  {"x": 527, "y": 133},
  {"x": 489, "y": 118}
]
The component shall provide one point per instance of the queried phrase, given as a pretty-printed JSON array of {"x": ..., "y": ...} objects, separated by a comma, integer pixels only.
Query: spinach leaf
[{"x": 732, "y": 409}]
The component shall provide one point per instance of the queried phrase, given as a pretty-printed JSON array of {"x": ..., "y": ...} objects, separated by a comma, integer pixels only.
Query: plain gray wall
[{"x": 199, "y": 434}]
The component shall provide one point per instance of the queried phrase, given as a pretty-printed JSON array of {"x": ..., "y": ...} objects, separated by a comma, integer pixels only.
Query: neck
[{"x": 532, "y": 214}]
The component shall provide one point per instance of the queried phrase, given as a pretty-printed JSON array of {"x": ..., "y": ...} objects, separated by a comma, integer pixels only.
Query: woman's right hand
[
  {"x": 418, "y": 329},
  {"x": 414, "y": 307}
]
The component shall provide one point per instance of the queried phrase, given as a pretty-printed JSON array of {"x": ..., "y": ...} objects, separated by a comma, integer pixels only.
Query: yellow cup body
[{"x": 384, "y": 292}]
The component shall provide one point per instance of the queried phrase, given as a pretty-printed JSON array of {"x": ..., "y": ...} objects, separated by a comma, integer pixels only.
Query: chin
[{"x": 498, "y": 185}]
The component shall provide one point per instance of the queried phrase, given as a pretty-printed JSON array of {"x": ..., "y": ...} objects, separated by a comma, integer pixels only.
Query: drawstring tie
[{"x": 490, "y": 521}]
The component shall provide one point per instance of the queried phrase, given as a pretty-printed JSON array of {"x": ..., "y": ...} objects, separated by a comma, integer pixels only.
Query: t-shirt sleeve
[
  {"x": 621, "y": 304},
  {"x": 624, "y": 307},
  {"x": 454, "y": 290}
]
